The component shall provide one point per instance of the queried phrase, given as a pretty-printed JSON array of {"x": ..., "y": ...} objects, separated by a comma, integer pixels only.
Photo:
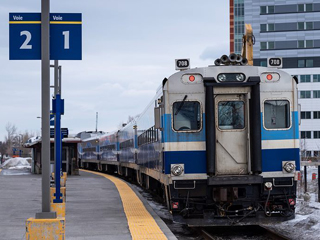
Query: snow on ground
[
  {"x": 306, "y": 224},
  {"x": 17, "y": 163}
]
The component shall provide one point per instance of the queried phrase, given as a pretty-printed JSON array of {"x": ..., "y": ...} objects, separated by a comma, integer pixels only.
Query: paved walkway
[{"x": 94, "y": 210}]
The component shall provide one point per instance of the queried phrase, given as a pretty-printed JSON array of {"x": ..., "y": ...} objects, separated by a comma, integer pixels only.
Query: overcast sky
[{"x": 128, "y": 47}]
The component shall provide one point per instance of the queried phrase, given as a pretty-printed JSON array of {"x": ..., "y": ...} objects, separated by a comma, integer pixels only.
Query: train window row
[
  {"x": 108, "y": 147},
  {"x": 126, "y": 144},
  {"x": 148, "y": 136},
  {"x": 186, "y": 116},
  {"x": 91, "y": 149}
]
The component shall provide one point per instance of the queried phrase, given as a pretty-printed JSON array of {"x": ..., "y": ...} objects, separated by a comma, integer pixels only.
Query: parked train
[{"x": 220, "y": 144}]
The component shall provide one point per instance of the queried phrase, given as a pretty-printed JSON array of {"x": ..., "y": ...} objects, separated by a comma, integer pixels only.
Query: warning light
[
  {"x": 191, "y": 78},
  {"x": 269, "y": 77},
  {"x": 292, "y": 202},
  {"x": 175, "y": 205}
]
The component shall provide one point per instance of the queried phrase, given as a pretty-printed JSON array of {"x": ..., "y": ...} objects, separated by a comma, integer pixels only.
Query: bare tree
[
  {"x": 10, "y": 138},
  {"x": 3, "y": 150}
]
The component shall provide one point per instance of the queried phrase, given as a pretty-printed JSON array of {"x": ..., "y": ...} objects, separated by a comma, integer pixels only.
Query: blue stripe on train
[
  {"x": 194, "y": 161},
  {"x": 292, "y": 133},
  {"x": 272, "y": 158}
]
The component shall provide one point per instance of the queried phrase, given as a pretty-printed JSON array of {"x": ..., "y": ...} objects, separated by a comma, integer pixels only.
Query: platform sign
[{"x": 25, "y": 36}]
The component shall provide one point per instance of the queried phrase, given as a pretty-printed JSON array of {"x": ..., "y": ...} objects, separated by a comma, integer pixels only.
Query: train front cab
[{"x": 245, "y": 174}]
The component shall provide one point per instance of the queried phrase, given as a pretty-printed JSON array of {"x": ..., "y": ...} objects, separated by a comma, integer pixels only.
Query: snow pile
[
  {"x": 306, "y": 224},
  {"x": 17, "y": 163}
]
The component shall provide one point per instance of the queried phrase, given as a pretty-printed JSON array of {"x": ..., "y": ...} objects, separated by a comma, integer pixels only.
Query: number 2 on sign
[{"x": 25, "y": 44}]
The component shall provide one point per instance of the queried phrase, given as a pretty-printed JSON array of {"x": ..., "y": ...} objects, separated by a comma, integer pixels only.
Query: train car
[{"x": 219, "y": 143}]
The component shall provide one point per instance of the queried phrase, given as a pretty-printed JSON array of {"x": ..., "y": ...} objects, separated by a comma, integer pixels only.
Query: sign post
[{"x": 45, "y": 108}]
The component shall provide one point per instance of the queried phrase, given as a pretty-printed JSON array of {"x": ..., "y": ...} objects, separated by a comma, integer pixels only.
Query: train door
[{"x": 232, "y": 134}]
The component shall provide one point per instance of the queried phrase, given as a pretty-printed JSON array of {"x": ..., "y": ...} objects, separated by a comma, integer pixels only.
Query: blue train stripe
[
  {"x": 292, "y": 133},
  {"x": 272, "y": 158},
  {"x": 194, "y": 161}
]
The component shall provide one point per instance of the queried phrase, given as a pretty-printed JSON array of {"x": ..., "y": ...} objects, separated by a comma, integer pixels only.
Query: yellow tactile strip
[{"x": 141, "y": 223}]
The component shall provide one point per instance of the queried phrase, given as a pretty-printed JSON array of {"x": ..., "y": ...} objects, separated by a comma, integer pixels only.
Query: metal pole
[
  {"x": 45, "y": 108},
  {"x": 305, "y": 179}
]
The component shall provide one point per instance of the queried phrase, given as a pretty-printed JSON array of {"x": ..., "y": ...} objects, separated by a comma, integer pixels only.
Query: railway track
[{"x": 240, "y": 232}]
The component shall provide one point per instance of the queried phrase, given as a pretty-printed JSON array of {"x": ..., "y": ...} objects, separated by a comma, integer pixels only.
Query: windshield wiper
[{"x": 181, "y": 104}]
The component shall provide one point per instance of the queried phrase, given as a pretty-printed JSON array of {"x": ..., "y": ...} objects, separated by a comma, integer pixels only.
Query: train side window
[
  {"x": 276, "y": 114},
  {"x": 186, "y": 116},
  {"x": 231, "y": 115}
]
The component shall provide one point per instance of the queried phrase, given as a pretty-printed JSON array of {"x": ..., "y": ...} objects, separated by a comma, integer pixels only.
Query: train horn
[
  {"x": 217, "y": 62},
  {"x": 233, "y": 57},
  {"x": 244, "y": 61},
  {"x": 238, "y": 58},
  {"x": 225, "y": 59}
]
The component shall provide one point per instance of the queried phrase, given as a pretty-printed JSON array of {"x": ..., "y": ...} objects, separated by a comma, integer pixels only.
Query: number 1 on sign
[{"x": 66, "y": 39}]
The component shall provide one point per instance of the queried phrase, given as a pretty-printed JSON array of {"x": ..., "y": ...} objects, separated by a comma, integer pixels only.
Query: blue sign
[{"x": 25, "y": 36}]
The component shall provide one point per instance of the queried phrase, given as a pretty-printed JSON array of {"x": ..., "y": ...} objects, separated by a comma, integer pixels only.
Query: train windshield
[
  {"x": 276, "y": 114},
  {"x": 231, "y": 115},
  {"x": 186, "y": 116}
]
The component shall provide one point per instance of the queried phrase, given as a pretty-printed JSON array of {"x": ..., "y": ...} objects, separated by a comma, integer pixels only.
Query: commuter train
[{"x": 220, "y": 144}]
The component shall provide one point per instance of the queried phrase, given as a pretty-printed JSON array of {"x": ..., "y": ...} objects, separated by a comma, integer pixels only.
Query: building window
[
  {"x": 300, "y": 25},
  {"x": 316, "y": 153},
  {"x": 270, "y": 27},
  {"x": 301, "y": 63},
  {"x": 263, "y": 27},
  {"x": 276, "y": 114},
  {"x": 300, "y": 7},
  {"x": 309, "y": 7},
  {"x": 309, "y": 25},
  {"x": 263, "y": 9},
  {"x": 263, "y": 45},
  {"x": 316, "y": 134},
  {"x": 316, "y": 78},
  {"x": 316, "y": 94},
  {"x": 305, "y": 94},
  {"x": 305, "y": 115},
  {"x": 305, "y": 78},
  {"x": 309, "y": 63},
  {"x": 301, "y": 44},
  {"x": 263, "y": 63},
  {"x": 270, "y": 45},
  {"x": 309, "y": 43},
  {"x": 305, "y": 134},
  {"x": 316, "y": 115},
  {"x": 270, "y": 9}
]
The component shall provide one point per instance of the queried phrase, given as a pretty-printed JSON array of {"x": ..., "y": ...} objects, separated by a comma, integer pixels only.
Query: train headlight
[
  {"x": 177, "y": 169},
  {"x": 222, "y": 77},
  {"x": 231, "y": 77},
  {"x": 240, "y": 77},
  {"x": 289, "y": 167}
]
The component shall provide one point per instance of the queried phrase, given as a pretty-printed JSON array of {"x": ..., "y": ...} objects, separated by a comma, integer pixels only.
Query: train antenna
[{"x": 96, "y": 121}]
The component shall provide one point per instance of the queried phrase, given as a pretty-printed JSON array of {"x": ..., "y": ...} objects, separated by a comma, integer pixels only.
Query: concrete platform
[{"x": 94, "y": 209}]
